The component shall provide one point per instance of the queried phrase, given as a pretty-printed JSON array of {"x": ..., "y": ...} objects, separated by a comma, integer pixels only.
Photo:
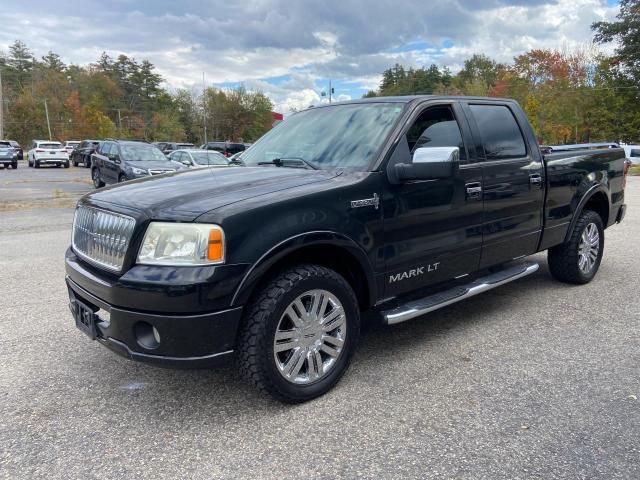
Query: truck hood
[{"x": 185, "y": 195}]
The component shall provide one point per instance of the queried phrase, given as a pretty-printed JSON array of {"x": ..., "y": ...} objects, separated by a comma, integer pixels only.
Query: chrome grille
[{"x": 102, "y": 237}]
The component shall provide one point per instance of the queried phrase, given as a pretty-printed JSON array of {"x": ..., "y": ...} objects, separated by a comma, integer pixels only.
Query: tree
[
  {"x": 52, "y": 61},
  {"x": 626, "y": 32}
]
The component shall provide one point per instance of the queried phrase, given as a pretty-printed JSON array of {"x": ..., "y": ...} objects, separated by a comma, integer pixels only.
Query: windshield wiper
[{"x": 295, "y": 162}]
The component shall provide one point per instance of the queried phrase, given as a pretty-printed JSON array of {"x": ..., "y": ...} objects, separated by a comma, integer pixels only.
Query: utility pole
[
  {"x": 204, "y": 108},
  {"x": 119, "y": 124},
  {"x": 1, "y": 109},
  {"x": 330, "y": 90},
  {"x": 46, "y": 111}
]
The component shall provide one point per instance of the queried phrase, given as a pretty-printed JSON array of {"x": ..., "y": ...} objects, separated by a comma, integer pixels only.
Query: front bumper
[
  {"x": 621, "y": 213},
  {"x": 195, "y": 339},
  {"x": 8, "y": 161}
]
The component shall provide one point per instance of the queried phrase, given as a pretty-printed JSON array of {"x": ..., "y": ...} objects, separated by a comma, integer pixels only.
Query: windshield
[
  {"x": 341, "y": 136},
  {"x": 209, "y": 158},
  {"x": 142, "y": 153},
  {"x": 49, "y": 146}
]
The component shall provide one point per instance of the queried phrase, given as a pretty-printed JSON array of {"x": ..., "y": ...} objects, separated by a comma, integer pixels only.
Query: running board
[{"x": 433, "y": 302}]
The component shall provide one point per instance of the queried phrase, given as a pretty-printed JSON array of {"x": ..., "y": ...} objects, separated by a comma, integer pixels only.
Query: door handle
[
  {"x": 536, "y": 180},
  {"x": 474, "y": 190}
]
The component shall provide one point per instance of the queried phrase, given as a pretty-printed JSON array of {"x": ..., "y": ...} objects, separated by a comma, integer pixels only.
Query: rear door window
[{"x": 499, "y": 131}]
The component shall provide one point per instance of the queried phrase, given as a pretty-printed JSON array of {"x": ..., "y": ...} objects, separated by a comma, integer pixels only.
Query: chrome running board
[{"x": 433, "y": 302}]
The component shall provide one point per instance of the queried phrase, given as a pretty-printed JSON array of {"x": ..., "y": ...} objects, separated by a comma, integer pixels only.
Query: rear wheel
[
  {"x": 299, "y": 333},
  {"x": 95, "y": 176},
  {"x": 66, "y": 165},
  {"x": 36, "y": 163},
  {"x": 15, "y": 165},
  {"x": 578, "y": 259},
  {"x": 122, "y": 178}
]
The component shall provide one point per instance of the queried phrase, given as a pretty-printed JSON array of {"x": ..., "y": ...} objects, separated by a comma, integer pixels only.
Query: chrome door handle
[
  {"x": 474, "y": 190},
  {"x": 535, "y": 180}
]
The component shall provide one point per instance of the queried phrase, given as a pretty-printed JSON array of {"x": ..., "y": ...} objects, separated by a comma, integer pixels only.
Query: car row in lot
[{"x": 116, "y": 161}]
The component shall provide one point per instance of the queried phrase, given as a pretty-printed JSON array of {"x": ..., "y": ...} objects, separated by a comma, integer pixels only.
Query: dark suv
[
  {"x": 117, "y": 161},
  {"x": 226, "y": 148},
  {"x": 82, "y": 153}
]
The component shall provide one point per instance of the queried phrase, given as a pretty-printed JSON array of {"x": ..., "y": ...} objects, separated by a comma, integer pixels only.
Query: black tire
[
  {"x": 75, "y": 164},
  {"x": 95, "y": 176},
  {"x": 262, "y": 317},
  {"x": 122, "y": 178},
  {"x": 15, "y": 165},
  {"x": 564, "y": 260},
  {"x": 36, "y": 164},
  {"x": 66, "y": 165}
]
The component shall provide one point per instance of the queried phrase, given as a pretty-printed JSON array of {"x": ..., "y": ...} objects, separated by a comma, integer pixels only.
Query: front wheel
[
  {"x": 299, "y": 333},
  {"x": 578, "y": 259},
  {"x": 122, "y": 178},
  {"x": 95, "y": 176}
]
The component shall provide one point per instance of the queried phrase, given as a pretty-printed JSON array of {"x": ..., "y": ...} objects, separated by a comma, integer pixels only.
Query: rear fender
[{"x": 593, "y": 190}]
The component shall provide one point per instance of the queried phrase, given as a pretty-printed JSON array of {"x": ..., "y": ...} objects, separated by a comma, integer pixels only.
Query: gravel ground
[
  {"x": 533, "y": 380},
  {"x": 44, "y": 187}
]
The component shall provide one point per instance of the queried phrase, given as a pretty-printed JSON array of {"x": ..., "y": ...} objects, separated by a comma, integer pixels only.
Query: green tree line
[
  {"x": 118, "y": 97},
  {"x": 572, "y": 96}
]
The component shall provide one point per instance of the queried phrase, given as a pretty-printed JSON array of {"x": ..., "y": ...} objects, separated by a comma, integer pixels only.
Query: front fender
[{"x": 289, "y": 246}]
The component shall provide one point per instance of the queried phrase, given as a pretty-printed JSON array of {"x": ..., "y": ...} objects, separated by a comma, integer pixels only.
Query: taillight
[
  {"x": 40, "y": 151},
  {"x": 627, "y": 166}
]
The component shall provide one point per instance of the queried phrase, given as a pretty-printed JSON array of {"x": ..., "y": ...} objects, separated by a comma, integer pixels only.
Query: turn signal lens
[{"x": 215, "y": 252}]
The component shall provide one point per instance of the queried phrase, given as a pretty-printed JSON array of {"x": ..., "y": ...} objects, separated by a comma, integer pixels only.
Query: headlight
[
  {"x": 182, "y": 244},
  {"x": 139, "y": 171}
]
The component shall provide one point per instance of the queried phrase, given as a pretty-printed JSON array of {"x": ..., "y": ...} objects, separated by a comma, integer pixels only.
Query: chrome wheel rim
[
  {"x": 589, "y": 248},
  {"x": 310, "y": 337},
  {"x": 95, "y": 178}
]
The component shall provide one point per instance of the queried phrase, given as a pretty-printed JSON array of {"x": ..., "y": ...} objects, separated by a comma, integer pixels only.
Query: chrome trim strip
[{"x": 481, "y": 285}]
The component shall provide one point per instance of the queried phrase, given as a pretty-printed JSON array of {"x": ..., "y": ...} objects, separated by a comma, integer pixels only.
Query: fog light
[
  {"x": 147, "y": 335},
  {"x": 156, "y": 334}
]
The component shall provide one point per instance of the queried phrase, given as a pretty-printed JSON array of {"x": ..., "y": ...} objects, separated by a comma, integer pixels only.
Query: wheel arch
[
  {"x": 595, "y": 199},
  {"x": 326, "y": 248}
]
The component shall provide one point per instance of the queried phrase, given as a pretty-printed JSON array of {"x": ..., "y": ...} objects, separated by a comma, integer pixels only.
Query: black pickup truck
[{"x": 393, "y": 205}]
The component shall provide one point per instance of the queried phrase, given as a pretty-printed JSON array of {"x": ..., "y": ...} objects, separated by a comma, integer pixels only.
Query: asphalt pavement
[{"x": 536, "y": 379}]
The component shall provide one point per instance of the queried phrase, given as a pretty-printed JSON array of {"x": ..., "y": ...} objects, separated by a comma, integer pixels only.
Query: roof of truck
[{"x": 412, "y": 98}]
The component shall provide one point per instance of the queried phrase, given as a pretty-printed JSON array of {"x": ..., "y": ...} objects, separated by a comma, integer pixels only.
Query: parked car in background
[
  {"x": 226, "y": 148},
  {"x": 47, "y": 152},
  {"x": 168, "y": 147},
  {"x": 117, "y": 161},
  {"x": 8, "y": 155},
  {"x": 16, "y": 146},
  {"x": 193, "y": 158},
  {"x": 82, "y": 153},
  {"x": 70, "y": 146},
  {"x": 632, "y": 152}
]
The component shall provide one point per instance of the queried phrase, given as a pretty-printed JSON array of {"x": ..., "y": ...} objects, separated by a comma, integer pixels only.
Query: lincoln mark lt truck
[{"x": 395, "y": 205}]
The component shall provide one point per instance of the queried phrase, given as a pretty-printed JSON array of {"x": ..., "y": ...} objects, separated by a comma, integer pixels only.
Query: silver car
[{"x": 194, "y": 158}]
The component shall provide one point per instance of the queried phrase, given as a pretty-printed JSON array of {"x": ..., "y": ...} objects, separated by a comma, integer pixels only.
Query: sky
[{"x": 289, "y": 49}]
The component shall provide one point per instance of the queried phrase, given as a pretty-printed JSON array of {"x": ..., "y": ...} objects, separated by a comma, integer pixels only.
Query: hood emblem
[{"x": 365, "y": 202}]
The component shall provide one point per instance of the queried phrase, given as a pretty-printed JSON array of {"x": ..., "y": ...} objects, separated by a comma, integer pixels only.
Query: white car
[
  {"x": 47, "y": 152},
  {"x": 70, "y": 145},
  {"x": 632, "y": 152}
]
